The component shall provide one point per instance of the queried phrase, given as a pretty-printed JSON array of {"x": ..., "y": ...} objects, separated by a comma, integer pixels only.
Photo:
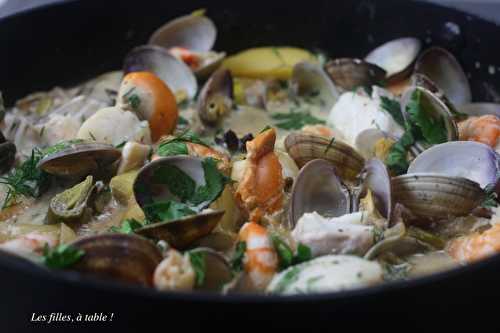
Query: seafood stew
[{"x": 273, "y": 170}]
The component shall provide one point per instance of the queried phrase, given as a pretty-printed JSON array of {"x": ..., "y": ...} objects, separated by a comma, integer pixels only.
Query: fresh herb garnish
[
  {"x": 215, "y": 182},
  {"x": 92, "y": 136},
  {"x": 134, "y": 101},
  {"x": 265, "y": 129},
  {"x": 166, "y": 211},
  {"x": 197, "y": 260},
  {"x": 178, "y": 182},
  {"x": 61, "y": 256},
  {"x": 127, "y": 227},
  {"x": 393, "y": 107},
  {"x": 295, "y": 120},
  {"x": 397, "y": 158},
  {"x": 238, "y": 256},
  {"x": 120, "y": 145},
  {"x": 285, "y": 253},
  {"x": 491, "y": 199},
  {"x": 288, "y": 279},
  {"x": 177, "y": 145},
  {"x": 330, "y": 144},
  {"x": 26, "y": 180},
  {"x": 60, "y": 146},
  {"x": 432, "y": 130},
  {"x": 182, "y": 121}
]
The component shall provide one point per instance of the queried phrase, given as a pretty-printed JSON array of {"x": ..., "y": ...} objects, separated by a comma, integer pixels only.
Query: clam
[
  {"x": 432, "y": 196},
  {"x": 468, "y": 159},
  {"x": 375, "y": 178},
  {"x": 150, "y": 190},
  {"x": 310, "y": 79},
  {"x": 434, "y": 108},
  {"x": 303, "y": 148},
  {"x": 122, "y": 257},
  {"x": 70, "y": 205},
  {"x": 480, "y": 109},
  {"x": 7, "y": 154},
  {"x": 195, "y": 33},
  {"x": 78, "y": 158},
  {"x": 367, "y": 140},
  {"x": 217, "y": 269},
  {"x": 216, "y": 98},
  {"x": 159, "y": 61},
  {"x": 396, "y": 57},
  {"x": 443, "y": 68},
  {"x": 403, "y": 241},
  {"x": 350, "y": 74},
  {"x": 318, "y": 189}
]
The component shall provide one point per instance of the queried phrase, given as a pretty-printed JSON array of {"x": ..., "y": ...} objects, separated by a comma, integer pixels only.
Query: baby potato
[{"x": 267, "y": 62}]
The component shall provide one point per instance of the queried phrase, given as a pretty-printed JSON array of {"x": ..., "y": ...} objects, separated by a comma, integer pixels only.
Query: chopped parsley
[
  {"x": 167, "y": 211},
  {"x": 393, "y": 107},
  {"x": 285, "y": 254},
  {"x": 491, "y": 199},
  {"x": 177, "y": 145},
  {"x": 132, "y": 99},
  {"x": 330, "y": 144},
  {"x": 295, "y": 120},
  {"x": 127, "y": 227},
  {"x": 238, "y": 256},
  {"x": 61, "y": 256},
  {"x": 290, "y": 277},
  {"x": 197, "y": 260}
]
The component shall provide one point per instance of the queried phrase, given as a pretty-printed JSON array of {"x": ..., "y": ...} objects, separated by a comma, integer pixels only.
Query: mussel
[
  {"x": 303, "y": 148},
  {"x": 444, "y": 69},
  {"x": 216, "y": 98},
  {"x": 350, "y": 74},
  {"x": 310, "y": 79},
  {"x": 122, "y": 257},
  {"x": 7, "y": 154},
  {"x": 159, "y": 61},
  {"x": 149, "y": 189},
  {"x": 78, "y": 158},
  {"x": 396, "y": 57}
]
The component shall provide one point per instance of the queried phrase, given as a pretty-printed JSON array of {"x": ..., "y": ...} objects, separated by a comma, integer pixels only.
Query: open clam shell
[
  {"x": 216, "y": 98},
  {"x": 375, "y": 177},
  {"x": 310, "y": 79},
  {"x": 303, "y": 148},
  {"x": 193, "y": 32},
  {"x": 350, "y": 73},
  {"x": 127, "y": 258},
  {"x": 217, "y": 270},
  {"x": 396, "y": 57},
  {"x": 443, "y": 68},
  {"x": 468, "y": 159},
  {"x": 434, "y": 107},
  {"x": 183, "y": 232},
  {"x": 433, "y": 196},
  {"x": 79, "y": 158},
  {"x": 318, "y": 189},
  {"x": 177, "y": 75}
]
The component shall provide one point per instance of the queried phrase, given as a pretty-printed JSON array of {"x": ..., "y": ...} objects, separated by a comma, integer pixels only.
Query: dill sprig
[{"x": 26, "y": 180}]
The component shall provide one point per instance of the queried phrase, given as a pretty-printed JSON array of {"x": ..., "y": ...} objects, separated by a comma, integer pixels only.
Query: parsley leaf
[
  {"x": 177, "y": 145},
  {"x": 178, "y": 182},
  {"x": 166, "y": 211},
  {"x": 397, "y": 158},
  {"x": 134, "y": 101},
  {"x": 491, "y": 199},
  {"x": 60, "y": 146},
  {"x": 303, "y": 254},
  {"x": 197, "y": 260},
  {"x": 295, "y": 120},
  {"x": 238, "y": 256},
  {"x": 393, "y": 108},
  {"x": 285, "y": 254},
  {"x": 127, "y": 227},
  {"x": 433, "y": 130},
  {"x": 215, "y": 182},
  {"x": 61, "y": 256},
  {"x": 288, "y": 279}
]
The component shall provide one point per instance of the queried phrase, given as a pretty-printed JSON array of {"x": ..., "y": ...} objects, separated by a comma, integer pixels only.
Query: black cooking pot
[{"x": 70, "y": 42}]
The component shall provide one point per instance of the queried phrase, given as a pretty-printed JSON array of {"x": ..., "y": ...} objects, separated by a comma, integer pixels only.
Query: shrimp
[
  {"x": 261, "y": 261},
  {"x": 485, "y": 129},
  {"x": 175, "y": 272},
  {"x": 476, "y": 246},
  {"x": 30, "y": 243},
  {"x": 261, "y": 190}
]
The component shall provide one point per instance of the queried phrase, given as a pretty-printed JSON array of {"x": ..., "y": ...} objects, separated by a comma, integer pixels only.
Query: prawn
[
  {"x": 476, "y": 246},
  {"x": 261, "y": 261},
  {"x": 485, "y": 129},
  {"x": 261, "y": 190}
]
